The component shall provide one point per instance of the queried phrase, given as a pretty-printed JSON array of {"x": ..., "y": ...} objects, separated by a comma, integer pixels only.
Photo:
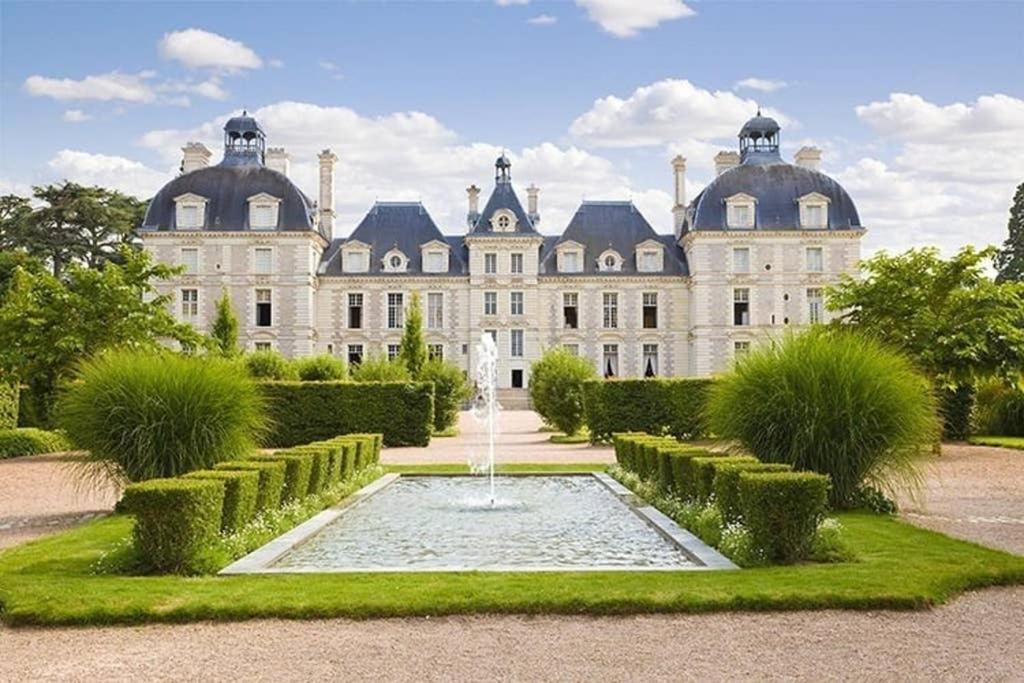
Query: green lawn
[
  {"x": 582, "y": 436},
  {"x": 50, "y": 582},
  {"x": 1016, "y": 442}
]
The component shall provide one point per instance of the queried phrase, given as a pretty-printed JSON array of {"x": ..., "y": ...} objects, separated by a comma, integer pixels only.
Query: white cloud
[
  {"x": 626, "y": 18},
  {"x": 542, "y": 20},
  {"x": 508, "y": 3},
  {"x": 414, "y": 156},
  {"x": 103, "y": 87},
  {"x": 761, "y": 84},
  {"x": 199, "y": 49},
  {"x": 76, "y": 116},
  {"x": 119, "y": 173},
  {"x": 210, "y": 88},
  {"x": 333, "y": 69}
]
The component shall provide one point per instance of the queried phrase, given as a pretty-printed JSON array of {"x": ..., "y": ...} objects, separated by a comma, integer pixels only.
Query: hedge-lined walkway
[{"x": 518, "y": 441}]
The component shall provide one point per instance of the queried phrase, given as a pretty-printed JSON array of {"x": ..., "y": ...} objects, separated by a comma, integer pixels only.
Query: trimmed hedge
[
  {"x": 271, "y": 482},
  {"x": 297, "y": 471},
  {"x": 15, "y": 443},
  {"x": 782, "y": 510},
  {"x": 727, "y": 481},
  {"x": 654, "y": 406},
  {"x": 176, "y": 520},
  {"x": 240, "y": 493},
  {"x": 9, "y": 396},
  {"x": 955, "y": 408},
  {"x": 705, "y": 468},
  {"x": 303, "y": 412}
]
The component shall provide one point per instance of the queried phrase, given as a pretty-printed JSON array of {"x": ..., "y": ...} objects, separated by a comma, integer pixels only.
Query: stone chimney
[
  {"x": 196, "y": 156},
  {"x": 531, "y": 203},
  {"x": 679, "y": 205},
  {"x": 326, "y": 203},
  {"x": 726, "y": 160},
  {"x": 808, "y": 157},
  {"x": 473, "y": 215},
  {"x": 276, "y": 159}
]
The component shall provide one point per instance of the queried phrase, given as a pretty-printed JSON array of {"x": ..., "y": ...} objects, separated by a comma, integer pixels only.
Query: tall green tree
[
  {"x": 947, "y": 315},
  {"x": 225, "y": 327},
  {"x": 413, "y": 350},
  {"x": 72, "y": 224},
  {"x": 49, "y": 324},
  {"x": 1010, "y": 261}
]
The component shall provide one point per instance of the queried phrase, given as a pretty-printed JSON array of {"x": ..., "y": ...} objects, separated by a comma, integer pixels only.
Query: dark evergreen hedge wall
[
  {"x": 8, "y": 405},
  {"x": 302, "y": 412},
  {"x": 654, "y": 406}
]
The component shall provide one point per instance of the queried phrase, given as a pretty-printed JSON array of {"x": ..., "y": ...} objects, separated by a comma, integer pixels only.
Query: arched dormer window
[
  {"x": 503, "y": 220},
  {"x": 395, "y": 262},
  {"x": 609, "y": 262}
]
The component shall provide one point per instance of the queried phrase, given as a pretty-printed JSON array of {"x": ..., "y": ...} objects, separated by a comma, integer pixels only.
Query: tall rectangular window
[
  {"x": 741, "y": 259},
  {"x": 571, "y": 310},
  {"x": 815, "y": 305},
  {"x": 264, "y": 314},
  {"x": 650, "y": 353},
  {"x": 569, "y": 262},
  {"x": 494, "y": 335},
  {"x": 490, "y": 303},
  {"x": 490, "y": 263},
  {"x": 611, "y": 310},
  {"x": 396, "y": 310},
  {"x": 189, "y": 304},
  {"x": 815, "y": 260},
  {"x": 435, "y": 310},
  {"x": 516, "y": 343},
  {"x": 741, "y": 306},
  {"x": 190, "y": 259},
  {"x": 189, "y": 216},
  {"x": 516, "y": 263},
  {"x": 393, "y": 351},
  {"x": 355, "y": 311},
  {"x": 649, "y": 261},
  {"x": 815, "y": 216},
  {"x": 355, "y": 262},
  {"x": 435, "y": 351},
  {"x": 650, "y": 301},
  {"x": 263, "y": 260},
  {"x": 264, "y": 217},
  {"x": 610, "y": 360},
  {"x": 355, "y": 354},
  {"x": 436, "y": 262},
  {"x": 515, "y": 303}
]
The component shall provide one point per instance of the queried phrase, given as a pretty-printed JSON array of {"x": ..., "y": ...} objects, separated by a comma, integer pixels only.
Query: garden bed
[{"x": 53, "y": 581}]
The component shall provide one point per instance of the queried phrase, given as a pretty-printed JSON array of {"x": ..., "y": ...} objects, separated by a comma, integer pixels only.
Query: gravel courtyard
[{"x": 972, "y": 492}]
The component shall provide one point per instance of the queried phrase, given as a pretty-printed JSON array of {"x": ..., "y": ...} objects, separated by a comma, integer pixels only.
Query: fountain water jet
[{"x": 487, "y": 401}]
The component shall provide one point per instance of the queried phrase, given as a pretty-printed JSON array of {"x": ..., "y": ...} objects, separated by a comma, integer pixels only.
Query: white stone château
[{"x": 749, "y": 256}]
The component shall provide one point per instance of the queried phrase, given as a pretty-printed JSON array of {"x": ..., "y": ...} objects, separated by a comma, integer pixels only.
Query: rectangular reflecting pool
[{"x": 448, "y": 523}]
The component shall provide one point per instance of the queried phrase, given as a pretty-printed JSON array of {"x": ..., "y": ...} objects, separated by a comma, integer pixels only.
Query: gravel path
[{"x": 971, "y": 492}]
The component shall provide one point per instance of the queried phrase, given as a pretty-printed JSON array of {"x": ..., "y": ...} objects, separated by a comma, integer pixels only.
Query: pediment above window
[
  {"x": 740, "y": 210},
  {"x": 813, "y": 211}
]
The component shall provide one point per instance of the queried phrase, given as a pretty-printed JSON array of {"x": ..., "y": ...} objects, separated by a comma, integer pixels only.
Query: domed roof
[
  {"x": 777, "y": 187},
  {"x": 227, "y": 189},
  {"x": 242, "y": 124},
  {"x": 760, "y": 127},
  {"x": 502, "y": 161}
]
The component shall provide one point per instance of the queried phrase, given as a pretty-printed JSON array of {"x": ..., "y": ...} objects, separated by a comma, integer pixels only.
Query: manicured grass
[
  {"x": 1015, "y": 442},
  {"x": 518, "y": 468},
  {"x": 582, "y": 436},
  {"x": 52, "y": 581},
  {"x": 446, "y": 433}
]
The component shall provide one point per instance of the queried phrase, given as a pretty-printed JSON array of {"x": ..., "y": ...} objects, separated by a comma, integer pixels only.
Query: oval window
[
  {"x": 609, "y": 261},
  {"x": 396, "y": 261}
]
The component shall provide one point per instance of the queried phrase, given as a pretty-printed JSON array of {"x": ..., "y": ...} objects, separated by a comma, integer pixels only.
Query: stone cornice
[
  {"x": 233, "y": 234},
  {"x": 743, "y": 235}
]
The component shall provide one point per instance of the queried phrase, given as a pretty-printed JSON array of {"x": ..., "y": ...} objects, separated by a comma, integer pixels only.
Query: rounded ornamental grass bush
[
  {"x": 268, "y": 365},
  {"x": 322, "y": 368},
  {"x": 833, "y": 402},
  {"x": 556, "y": 388},
  {"x": 143, "y": 416}
]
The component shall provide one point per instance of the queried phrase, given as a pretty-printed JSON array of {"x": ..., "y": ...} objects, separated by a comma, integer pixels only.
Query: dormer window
[
  {"x": 263, "y": 210},
  {"x": 609, "y": 262},
  {"x": 395, "y": 262},
  {"x": 569, "y": 262},
  {"x": 189, "y": 212},
  {"x": 740, "y": 210},
  {"x": 649, "y": 257},
  {"x": 434, "y": 255},
  {"x": 355, "y": 257},
  {"x": 503, "y": 221},
  {"x": 813, "y": 211}
]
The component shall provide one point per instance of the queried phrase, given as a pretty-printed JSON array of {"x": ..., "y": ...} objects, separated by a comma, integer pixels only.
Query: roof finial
[
  {"x": 759, "y": 110},
  {"x": 245, "y": 112}
]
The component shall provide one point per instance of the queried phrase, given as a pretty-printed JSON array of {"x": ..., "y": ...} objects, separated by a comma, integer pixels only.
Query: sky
[{"x": 918, "y": 107}]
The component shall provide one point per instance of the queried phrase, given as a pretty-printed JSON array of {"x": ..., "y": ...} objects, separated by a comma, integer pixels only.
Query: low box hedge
[
  {"x": 15, "y": 443},
  {"x": 782, "y": 511},
  {"x": 240, "y": 493},
  {"x": 271, "y": 483},
  {"x": 304, "y": 412},
  {"x": 9, "y": 395},
  {"x": 319, "y": 473},
  {"x": 685, "y": 478},
  {"x": 726, "y": 484},
  {"x": 704, "y": 469},
  {"x": 176, "y": 520},
  {"x": 296, "y": 474},
  {"x": 654, "y": 406}
]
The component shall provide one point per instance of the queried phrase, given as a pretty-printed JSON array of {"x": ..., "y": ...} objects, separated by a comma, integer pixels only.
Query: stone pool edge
[{"x": 261, "y": 560}]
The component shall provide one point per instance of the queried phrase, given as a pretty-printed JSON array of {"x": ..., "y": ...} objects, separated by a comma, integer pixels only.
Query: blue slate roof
[
  {"x": 777, "y": 186},
  {"x": 617, "y": 225},
  {"x": 227, "y": 188},
  {"x": 390, "y": 225},
  {"x": 503, "y": 197}
]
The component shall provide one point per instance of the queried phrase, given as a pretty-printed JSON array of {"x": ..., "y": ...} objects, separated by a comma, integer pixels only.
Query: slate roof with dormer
[{"x": 503, "y": 197}]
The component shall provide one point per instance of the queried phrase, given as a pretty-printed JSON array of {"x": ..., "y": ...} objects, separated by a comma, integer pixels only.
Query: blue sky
[{"x": 917, "y": 106}]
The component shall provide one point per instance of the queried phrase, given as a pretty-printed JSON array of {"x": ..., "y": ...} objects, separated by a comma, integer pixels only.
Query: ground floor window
[
  {"x": 355, "y": 354},
  {"x": 392, "y": 351},
  {"x": 574, "y": 349},
  {"x": 740, "y": 348},
  {"x": 262, "y": 346},
  {"x": 815, "y": 305},
  {"x": 650, "y": 360},
  {"x": 435, "y": 351},
  {"x": 610, "y": 360},
  {"x": 517, "y": 379}
]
